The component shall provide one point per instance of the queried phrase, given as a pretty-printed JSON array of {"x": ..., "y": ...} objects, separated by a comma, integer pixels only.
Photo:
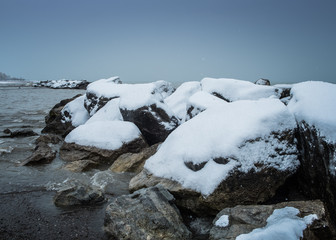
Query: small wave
[{"x": 6, "y": 150}]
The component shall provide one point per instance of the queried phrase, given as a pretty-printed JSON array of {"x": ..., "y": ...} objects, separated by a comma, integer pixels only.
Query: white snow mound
[
  {"x": 109, "y": 135},
  {"x": 220, "y": 131},
  {"x": 234, "y": 90}
]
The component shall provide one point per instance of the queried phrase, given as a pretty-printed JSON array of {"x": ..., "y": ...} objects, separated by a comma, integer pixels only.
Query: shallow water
[{"x": 26, "y": 192}]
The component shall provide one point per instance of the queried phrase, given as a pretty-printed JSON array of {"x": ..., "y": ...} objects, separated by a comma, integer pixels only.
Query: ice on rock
[{"x": 222, "y": 133}]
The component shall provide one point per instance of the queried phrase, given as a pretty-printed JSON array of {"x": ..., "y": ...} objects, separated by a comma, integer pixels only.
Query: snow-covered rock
[
  {"x": 102, "y": 141},
  {"x": 263, "y": 81},
  {"x": 74, "y": 112},
  {"x": 200, "y": 101},
  {"x": 228, "y": 154},
  {"x": 132, "y": 96},
  {"x": 233, "y": 90},
  {"x": 56, "y": 121},
  {"x": 178, "y": 100},
  {"x": 62, "y": 84},
  {"x": 314, "y": 103},
  {"x": 142, "y": 104},
  {"x": 288, "y": 220}
]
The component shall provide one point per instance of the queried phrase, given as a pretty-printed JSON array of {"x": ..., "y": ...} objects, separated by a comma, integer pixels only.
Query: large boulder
[
  {"x": 237, "y": 153},
  {"x": 312, "y": 103},
  {"x": 287, "y": 220},
  {"x": 153, "y": 121},
  {"x": 145, "y": 214},
  {"x": 43, "y": 153},
  {"x": 142, "y": 104},
  {"x": 54, "y": 120},
  {"x": 102, "y": 141},
  {"x": 133, "y": 162}
]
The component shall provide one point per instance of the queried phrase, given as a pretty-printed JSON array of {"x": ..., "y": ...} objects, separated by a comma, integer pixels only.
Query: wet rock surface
[
  {"x": 145, "y": 214},
  {"x": 43, "y": 153},
  {"x": 19, "y": 133},
  {"x": 79, "y": 195},
  {"x": 80, "y": 166}
]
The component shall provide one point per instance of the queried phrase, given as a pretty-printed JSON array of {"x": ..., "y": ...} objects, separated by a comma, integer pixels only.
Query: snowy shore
[{"x": 222, "y": 143}]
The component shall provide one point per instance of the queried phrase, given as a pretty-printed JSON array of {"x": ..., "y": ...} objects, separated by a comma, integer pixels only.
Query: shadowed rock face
[
  {"x": 54, "y": 122},
  {"x": 153, "y": 122},
  {"x": 145, "y": 214},
  {"x": 244, "y": 219},
  {"x": 93, "y": 103},
  {"x": 42, "y": 154},
  {"x": 317, "y": 172}
]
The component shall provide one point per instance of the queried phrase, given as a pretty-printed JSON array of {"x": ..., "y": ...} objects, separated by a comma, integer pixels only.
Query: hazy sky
[{"x": 173, "y": 40}]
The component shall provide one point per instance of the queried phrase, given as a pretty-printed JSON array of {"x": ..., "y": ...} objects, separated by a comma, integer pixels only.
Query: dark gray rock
[
  {"x": 153, "y": 122},
  {"x": 42, "y": 154},
  {"x": 53, "y": 120},
  {"x": 244, "y": 219},
  {"x": 20, "y": 133},
  {"x": 317, "y": 171},
  {"x": 79, "y": 195},
  {"x": 145, "y": 214}
]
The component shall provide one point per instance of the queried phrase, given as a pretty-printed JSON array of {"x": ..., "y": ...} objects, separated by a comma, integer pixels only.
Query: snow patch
[
  {"x": 109, "y": 135},
  {"x": 223, "y": 221},
  {"x": 110, "y": 112}
]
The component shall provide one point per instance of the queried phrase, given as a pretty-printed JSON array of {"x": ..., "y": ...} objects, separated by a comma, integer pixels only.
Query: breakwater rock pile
[{"x": 214, "y": 159}]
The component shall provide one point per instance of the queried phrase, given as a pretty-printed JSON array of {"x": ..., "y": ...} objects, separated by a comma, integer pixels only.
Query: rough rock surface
[
  {"x": 133, "y": 162},
  {"x": 154, "y": 123},
  {"x": 263, "y": 81},
  {"x": 239, "y": 188},
  {"x": 19, "y": 133},
  {"x": 42, "y": 154},
  {"x": 79, "y": 195},
  {"x": 63, "y": 84},
  {"x": 54, "y": 122},
  {"x": 145, "y": 214},
  {"x": 74, "y": 152},
  {"x": 317, "y": 170},
  {"x": 48, "y": 138},
  {"x": 243, "y": 219},
  {"x": 80, "y": 165}
]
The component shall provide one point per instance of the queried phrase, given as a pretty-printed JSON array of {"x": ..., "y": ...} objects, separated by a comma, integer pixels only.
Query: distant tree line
[{"x": 4, "y": 76}]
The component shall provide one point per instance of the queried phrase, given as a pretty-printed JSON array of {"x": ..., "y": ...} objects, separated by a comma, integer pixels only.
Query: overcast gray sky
[{"x": 174, "y": 40}]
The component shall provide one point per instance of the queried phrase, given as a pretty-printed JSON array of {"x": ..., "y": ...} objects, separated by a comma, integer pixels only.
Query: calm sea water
[{"x": 26, "y": 192}]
